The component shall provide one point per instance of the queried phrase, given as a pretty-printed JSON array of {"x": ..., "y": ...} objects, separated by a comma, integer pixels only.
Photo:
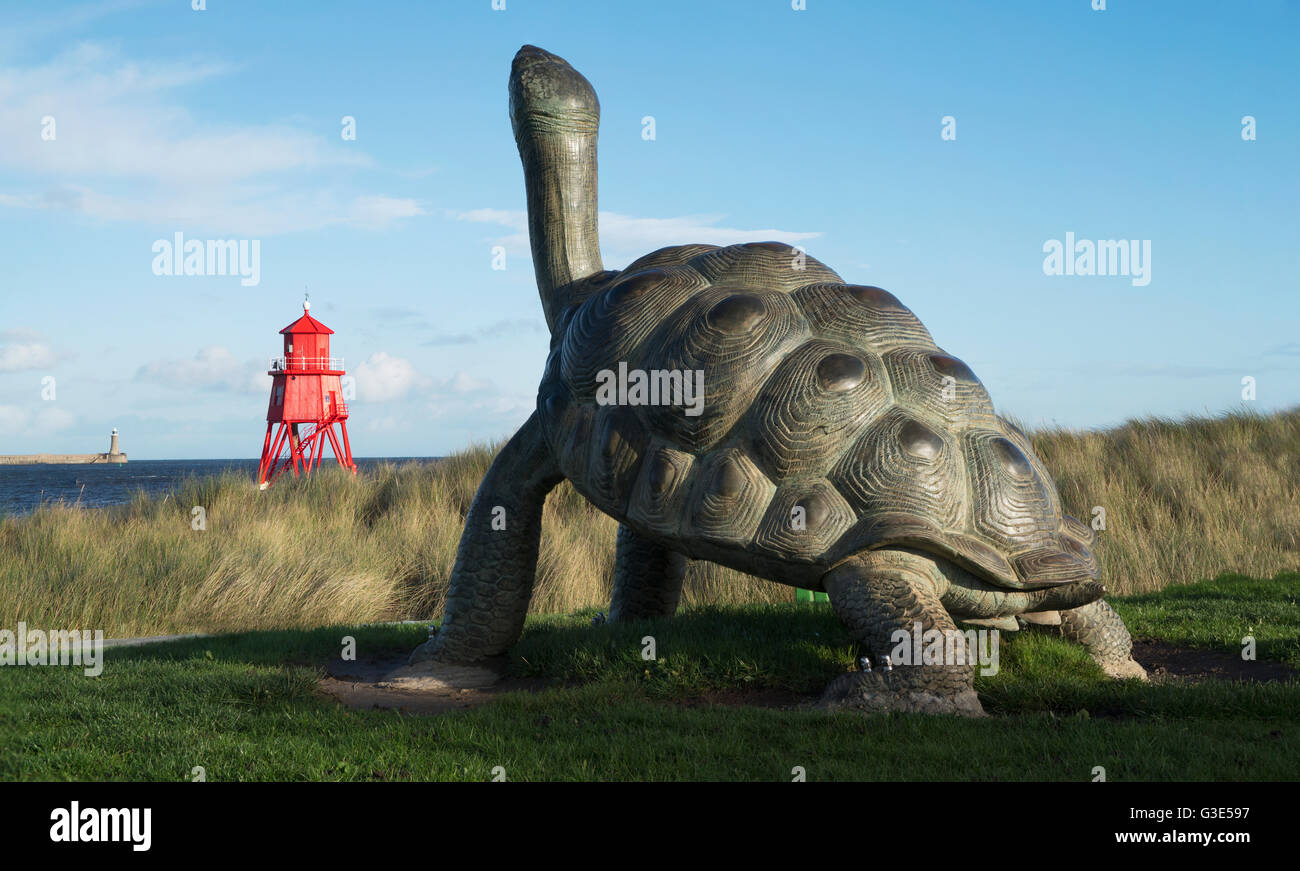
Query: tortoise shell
[{"x": 830, "y": 423}]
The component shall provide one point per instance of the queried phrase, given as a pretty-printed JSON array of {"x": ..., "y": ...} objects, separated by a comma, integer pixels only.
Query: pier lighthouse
[{"x": 306, "y": 403}]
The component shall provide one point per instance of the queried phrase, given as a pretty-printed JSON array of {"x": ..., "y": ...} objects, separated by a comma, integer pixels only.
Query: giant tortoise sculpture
[{"x": 834, "y": 445}]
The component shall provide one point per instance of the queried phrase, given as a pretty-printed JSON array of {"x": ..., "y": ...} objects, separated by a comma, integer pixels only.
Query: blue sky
[{"x": 819, "y": 127}]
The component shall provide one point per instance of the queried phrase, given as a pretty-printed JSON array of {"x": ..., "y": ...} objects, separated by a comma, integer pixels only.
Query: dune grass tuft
[{"x": 1185, "y": 500}]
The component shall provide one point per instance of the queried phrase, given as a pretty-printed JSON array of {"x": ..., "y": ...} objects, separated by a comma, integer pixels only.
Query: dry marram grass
[{"x": 1184, "y": 500}]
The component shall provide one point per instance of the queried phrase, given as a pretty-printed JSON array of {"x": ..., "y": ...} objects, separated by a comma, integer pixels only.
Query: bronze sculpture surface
[{"x": 744, "y": 405}]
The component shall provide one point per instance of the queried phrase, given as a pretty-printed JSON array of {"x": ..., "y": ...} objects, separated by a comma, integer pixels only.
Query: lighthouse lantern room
[{"x": 306, "y": 403}]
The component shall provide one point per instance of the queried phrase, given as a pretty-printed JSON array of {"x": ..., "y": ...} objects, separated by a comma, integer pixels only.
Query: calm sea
[{"x": 22, "y": 488}]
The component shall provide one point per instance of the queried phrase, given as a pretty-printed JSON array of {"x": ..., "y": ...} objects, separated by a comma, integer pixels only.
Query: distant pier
[{"x": 114, "y": 455}]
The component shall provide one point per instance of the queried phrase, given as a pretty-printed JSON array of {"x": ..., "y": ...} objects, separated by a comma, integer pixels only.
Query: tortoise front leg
[
  {"x": 1099, "y": 629},
  {"x": 875, "y": 594},
  {"x": 492, "y": 580},
  {"x": 647, "y": 578}
]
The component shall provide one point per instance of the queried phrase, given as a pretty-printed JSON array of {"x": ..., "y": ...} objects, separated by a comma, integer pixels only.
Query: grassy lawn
[
  {"x": 1218, "y": 613},
  {"x": 246, "y": 707}
]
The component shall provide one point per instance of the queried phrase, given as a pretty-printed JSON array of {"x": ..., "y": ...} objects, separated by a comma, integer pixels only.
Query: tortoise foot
[
  {"x": 425, "y": 672},
  {"x": 875, "y": 692},
  {"x": 1121, "y": 670}
]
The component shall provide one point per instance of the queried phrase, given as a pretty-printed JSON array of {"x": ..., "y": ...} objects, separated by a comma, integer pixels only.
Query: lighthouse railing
[{"x": 295, "y": 362}]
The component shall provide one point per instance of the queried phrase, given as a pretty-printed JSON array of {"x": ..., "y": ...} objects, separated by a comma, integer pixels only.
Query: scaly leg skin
[
  {"x": 647, "y": 578},
  {"x": 1098, "y": 628},
  {"x": 492, "y": 580},
  {"x": 875, "y": 594}
]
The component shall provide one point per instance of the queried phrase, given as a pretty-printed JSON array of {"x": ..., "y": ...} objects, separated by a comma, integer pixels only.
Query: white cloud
[
  {"x": 516, "y": 220},
  {"x": 54, "y": 419},
  {"x": 623, "y": 238},
  {"x": 213, "y": 368},
  {"x": 241, "y": 210},
  {"x": 110, "y": 119},
  {"x": 30, "y": 355},
  {"x": 384, "y": 424},
  {"x": 16, "y": 420},
  {"x": 464, "y": 383},
  {"x": 459, "y": 396},
  {"x": 19, "y": 33},
  {"x": 380, "y": 211},
  {"x": 624, "y": 232},
  {"x": 384, "y": 378},
  {"x": 495, "y": 330},
  {"x": 13, "y": 420},
  {"x": 126, "y": 148},
  {"x": 462, "y": 396}
]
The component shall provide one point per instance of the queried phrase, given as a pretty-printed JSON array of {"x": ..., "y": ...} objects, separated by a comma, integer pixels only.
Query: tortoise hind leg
[
  {"x": 1099, "y": 629},
  {"x": 496, "y": 563},
  {"x": 647, "y": 578},
  {"x": 876, "y": 594}
]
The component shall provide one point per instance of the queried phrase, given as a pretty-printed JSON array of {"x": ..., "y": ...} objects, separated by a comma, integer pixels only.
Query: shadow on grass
[
  {"x": 799, "y": 649},
  {"x": 1219, "y": 614},
  {"x": 788, "y": 647},
  {"x": 285, "y": 647}
]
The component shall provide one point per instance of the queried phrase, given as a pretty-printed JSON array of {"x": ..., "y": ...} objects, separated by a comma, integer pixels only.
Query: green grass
[
  {"x": 245, "y": 707},
  {"x": 1221, "y": 612}
]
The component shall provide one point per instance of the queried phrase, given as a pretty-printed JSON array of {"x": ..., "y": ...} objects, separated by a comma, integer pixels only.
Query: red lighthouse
[{"x": 305, "y": 390}]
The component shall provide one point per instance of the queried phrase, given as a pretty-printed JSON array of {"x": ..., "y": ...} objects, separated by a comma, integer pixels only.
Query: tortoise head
[
  {"x": 555, "y": 115},
  {"x": 546, "y": 92}
]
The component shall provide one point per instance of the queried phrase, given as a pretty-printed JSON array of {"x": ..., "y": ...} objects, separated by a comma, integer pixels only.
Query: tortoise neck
[{"x": 559, "y": 157}]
